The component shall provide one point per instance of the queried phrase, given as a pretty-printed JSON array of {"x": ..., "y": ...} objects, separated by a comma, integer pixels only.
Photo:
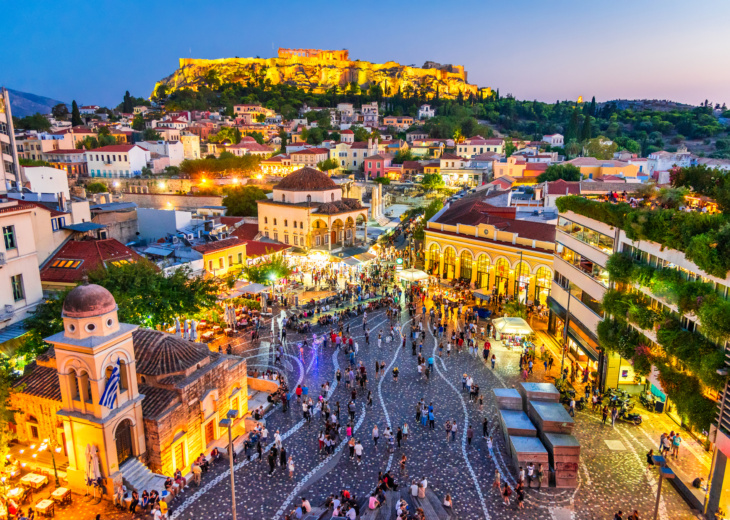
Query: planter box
[
  {"x": 527, "y": 449},
  {"x": 516, "y": 423},
  {"x": 550, "y": 417},
  {"x": 508, "y": 399},
  {"x": 564, "y": 452},
  {"x": 538, "y": 392}
]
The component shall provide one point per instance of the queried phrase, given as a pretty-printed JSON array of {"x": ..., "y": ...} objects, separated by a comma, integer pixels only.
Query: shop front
[{"x": 501, "y": 276}]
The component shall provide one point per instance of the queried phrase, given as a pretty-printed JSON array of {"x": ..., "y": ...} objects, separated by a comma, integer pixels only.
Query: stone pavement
[{"x": 612, "y": 474}]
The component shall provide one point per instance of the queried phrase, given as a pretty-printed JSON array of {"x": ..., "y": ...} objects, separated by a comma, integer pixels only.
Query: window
[
  {"x": 9, "y": 237},
  {"x": 220, "y": 263},
  {"x": 585, "y": 265},
  {"x": 276, "y": 235},
  {"x": 332, "y": 197},
  {"x": 230, "y": 260},
  {"x": 309, "y": 199},
  {"x": 593, "y": 238},
  {"x": 296, "y": 240},
  {"x": 286, "y": 239},
  {"x": 283, "y": 198},
  {"x": 295, "y": 224},
  {"x": 123, "y": 377},
  {"x": 286, "y": 223},
  {"x": 240, "y": 258},
  {"x": 17, "y": 283},
  {"x": 274, "y": 221},
  {"x": 66, "y": 264},
  {"x": 266, "y": 220},
  {"x": 210, "y": 265},
  {"x": 301, "y": 224}
]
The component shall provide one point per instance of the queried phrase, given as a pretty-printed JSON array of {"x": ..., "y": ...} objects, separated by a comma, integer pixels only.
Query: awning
[
  {"x": 412, "y": 275},
  {"x": 247, "y": 288},
  {"x": 365, "y": 257},
  {"x": 158, "y": 251},
  {"x": 512, "y": 325},
  {"x": 83, "y": 227},
  {"x": 482, "y": 294},
  {"x": 352, "y": 261}
]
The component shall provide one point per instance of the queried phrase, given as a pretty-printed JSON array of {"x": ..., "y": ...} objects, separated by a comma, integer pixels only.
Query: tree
[
  {"x": 268, "y": 271},
  {"x": 572, "y": 131},
  {"x": 175, "y": 294},
  {"x": 150, "y": 134},
  {"x": 241, "y": 200},
  {"x": 567, "y": 172},
  {"x": 509, "y": 147},
  {"x": 260, "y": 118},
  {"x": 585, "y": 133},
  {"x": 600, "y": 147},
  {"x": 127, "y": 103},
  {"x": 146, "y": 171},
  {"x": 96, "y": 187},
  {"x": 227, "y": 133},
  {"x": 258, "y": 136},
  {"x": 75, "y": 114},
  {"x": 327, "y": 165},
  {"x": 37, "y": 122},
  {"x": 31, "y": 162},
  {"x": 382, "y": 180},
  {"x": 401, "y": 156},
  {"x": 432, "y": 181},
  {"x": 138, "y": 123},
  {"x": 283, "y": 136},
  {"x": 434, "y": 207},
  {"x": 60, "y": 111},
  {"x": 88, "y": 143}
]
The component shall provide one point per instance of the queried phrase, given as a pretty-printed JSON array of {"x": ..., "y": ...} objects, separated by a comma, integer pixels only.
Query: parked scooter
[
  {"x": 625, "y": 414},
  {"x": 648, "y": 401}
]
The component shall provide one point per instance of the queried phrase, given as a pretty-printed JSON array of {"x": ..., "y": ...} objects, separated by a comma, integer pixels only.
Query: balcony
[{"x": 578, "y": 310}]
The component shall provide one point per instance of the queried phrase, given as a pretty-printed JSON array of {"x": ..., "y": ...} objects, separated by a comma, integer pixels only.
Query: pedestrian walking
[
  {"x": 497, "y": 480},
  {"x": 469, "y": 435},
  {"x": 291, "y": 466},
  {"x": 376, "y": 436},
  {"x": 614, "y": 414}
]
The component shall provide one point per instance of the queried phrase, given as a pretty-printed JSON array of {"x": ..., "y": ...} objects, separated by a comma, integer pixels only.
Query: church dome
[
  {"x": 306, "y": 179},
  {"x": 86, "y": 301}
]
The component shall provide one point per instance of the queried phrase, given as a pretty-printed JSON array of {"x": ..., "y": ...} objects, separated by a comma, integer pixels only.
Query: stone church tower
[{"x": 86, "y": 353}]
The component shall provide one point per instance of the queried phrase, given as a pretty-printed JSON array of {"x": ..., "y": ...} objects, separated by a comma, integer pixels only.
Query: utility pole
[{"x": 227, "y": 423}]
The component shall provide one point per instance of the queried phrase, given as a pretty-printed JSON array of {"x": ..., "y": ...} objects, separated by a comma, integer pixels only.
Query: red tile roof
[
  {"x": 348, "y": 132},
  {"x": 311, "y": 151},
  {"x": 219, "y": 245},
  {"x": 245, "y": 231},
  {"x": 92, "y": 254},
  {"x": 563, "y": 187},
  {"x": 116, "y": 148},
  {"x": 231, "y": 221},
  {"x": 62, "y": 151},
  {"x": 451, "y": 156},
  {"x": 256, "y": 248}
]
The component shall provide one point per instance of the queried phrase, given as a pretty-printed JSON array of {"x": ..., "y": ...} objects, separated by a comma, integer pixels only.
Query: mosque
[{"x": 170, "y": 396}]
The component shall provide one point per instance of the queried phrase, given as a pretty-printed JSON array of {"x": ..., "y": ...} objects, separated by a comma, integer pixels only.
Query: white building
[
  {"x": 44, "y": 179},
  {"x": 20, "y": 279},
  {"x": 172, "y": 150},
  {"x": 89, "y": 109},
  {"x": 370, "y": 114},
  {"x": 9, "y": 166},
  {"x": 117, "y": 160},
  {"x": 553, "y": 139},
  {"x": 426, "y": 111},
  {"x": 663, "y": 161},
  {"x": 191, "y": 145}
]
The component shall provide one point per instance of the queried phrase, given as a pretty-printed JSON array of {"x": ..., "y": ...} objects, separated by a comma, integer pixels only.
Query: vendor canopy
[
  {"x": 512, "y": 326},
  {"x": 482, "y": 294},
  {"x": 248, "y": 288},
  {"x": 412, "y": 275}
]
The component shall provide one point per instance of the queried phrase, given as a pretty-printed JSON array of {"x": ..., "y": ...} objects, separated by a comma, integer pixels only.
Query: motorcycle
[
  {"x": 625, "y": 415},
  {"x": 648, "y": 401}
]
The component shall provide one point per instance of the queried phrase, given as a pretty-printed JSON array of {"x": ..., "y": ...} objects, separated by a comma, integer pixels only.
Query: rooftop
[
  {"x": 75, "y": 258},
  {"x": 306, "y": 179}
]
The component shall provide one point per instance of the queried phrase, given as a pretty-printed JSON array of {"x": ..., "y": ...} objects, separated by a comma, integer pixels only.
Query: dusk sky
[{"x": 94, "y": 51}]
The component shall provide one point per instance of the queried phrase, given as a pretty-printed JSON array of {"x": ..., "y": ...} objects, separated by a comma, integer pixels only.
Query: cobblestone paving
[{"x": 609, "y": 479}]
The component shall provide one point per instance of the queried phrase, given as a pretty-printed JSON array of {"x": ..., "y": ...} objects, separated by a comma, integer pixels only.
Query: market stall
[{"x": 512, "y": 331}]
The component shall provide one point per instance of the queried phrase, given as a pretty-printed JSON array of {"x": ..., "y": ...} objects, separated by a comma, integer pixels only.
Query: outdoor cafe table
[
  {"x": 16, "y": 494},
  {"x": 207, "y": 336},
  {"x": 62, "y": 495},
  {"x": 228, "y": 331},
  {"x": 34, "y": 481},
  {"x": 45, "y": 507},
  {"x": 217, "y": 328}
]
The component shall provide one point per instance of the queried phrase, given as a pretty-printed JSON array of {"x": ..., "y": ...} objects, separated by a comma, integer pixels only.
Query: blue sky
[{"x": 94, "y": 51}]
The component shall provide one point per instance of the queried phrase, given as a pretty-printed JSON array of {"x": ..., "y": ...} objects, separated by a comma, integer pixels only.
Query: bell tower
[{"x": 92, "y": 349}]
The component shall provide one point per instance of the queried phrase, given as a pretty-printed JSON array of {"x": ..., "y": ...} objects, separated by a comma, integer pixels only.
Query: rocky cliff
[{"x": 320, "y": 75}]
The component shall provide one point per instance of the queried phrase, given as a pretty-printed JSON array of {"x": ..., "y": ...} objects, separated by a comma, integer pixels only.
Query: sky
[{"x": 638, "y": 49}]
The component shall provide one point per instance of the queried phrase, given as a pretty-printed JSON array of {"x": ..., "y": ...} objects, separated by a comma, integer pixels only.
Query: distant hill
[{"x": 25, "y": 104}]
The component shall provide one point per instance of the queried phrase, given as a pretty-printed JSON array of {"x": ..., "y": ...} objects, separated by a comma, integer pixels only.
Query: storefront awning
[
  {"x": 365, "y": 257},
  {"x": 412, "y": 275},
  {"x": 512, "y": 325},
  {"x": 352, "y": 261}
]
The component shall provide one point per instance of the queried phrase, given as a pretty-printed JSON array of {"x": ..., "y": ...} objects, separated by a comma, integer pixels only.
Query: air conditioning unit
[
  {"x": 190, "y": 236},
  {"x": 175, "y": 240}
]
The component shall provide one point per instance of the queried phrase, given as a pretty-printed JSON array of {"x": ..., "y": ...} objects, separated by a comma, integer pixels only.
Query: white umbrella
[
  {"x": 226, "y": 315},
  {"x": 232, "y": 311},
  {"x": 177, "y": 325},
  {"x": 89, "y": 457},
  {"x": 412, "y": 275},
  {"x": 95, "y": 463},
  {"x": 186, "y": 335},
  {"x": 512, "y": 325},
  {"x": 193, "y": 330}
]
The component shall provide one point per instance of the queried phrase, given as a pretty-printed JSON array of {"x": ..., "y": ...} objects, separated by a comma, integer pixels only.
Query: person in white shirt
[
  {"x": 351, "y": 514},
  {"x": 414, "y": 489},
  {"x": 424, "y": 483}
]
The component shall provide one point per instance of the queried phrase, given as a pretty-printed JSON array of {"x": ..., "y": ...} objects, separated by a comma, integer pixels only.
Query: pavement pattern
[{"x": 610, "y": 479}]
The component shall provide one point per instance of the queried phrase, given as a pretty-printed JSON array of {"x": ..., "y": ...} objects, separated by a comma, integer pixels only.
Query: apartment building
[
  {"x": 9, "y": 166},
  {"x": 117, "y": 160},
  {"x": 583, "y": 247}
]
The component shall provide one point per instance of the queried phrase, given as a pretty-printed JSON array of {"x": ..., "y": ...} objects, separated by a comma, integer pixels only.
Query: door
[
  {"x": 124, "y": 441},
  {"x": 334, "y": 237},
  {"x": 209, "y": 432},
  {"x": 179, "y": 456}
]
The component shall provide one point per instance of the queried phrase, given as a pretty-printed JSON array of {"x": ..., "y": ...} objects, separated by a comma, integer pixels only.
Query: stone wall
[
  {"x": 186, "y": 416},
  {"x": 44, "y": 411},
  {"x": 169, "y": 201}
]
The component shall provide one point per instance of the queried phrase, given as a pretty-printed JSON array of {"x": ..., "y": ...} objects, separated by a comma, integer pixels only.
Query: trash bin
[{"x": 659, "y": 406}]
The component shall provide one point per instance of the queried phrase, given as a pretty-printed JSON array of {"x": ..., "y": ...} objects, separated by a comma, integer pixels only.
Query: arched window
[
  {"x": 286, "y": 223},
  {"x": 73, "y": 384},
  {"x": 309, "y": 199},
  {"x": 483, "y": 272},
  {"x": 283, "y": 198},
  {"x": 332, "y": 197},
  {"x": 295, "y": 224},
  {"x": 301, "y": 224},
  {"x": 522, "y": 281},
  {"x": 501, "y": 275},
  {"x": 434, "y": 259},
  {"x": 543, "y": 282},
  {"x": 465, "y": 259},
  {"x": 123, "y": 376},
  {"x": 85, "y": 387},
  {"x": 449, "y": 263}
]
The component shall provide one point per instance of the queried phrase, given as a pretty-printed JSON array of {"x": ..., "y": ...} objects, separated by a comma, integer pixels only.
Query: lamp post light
[
  {"x": 46, "y": 446},
  {"x": 664, "y": 473},
  {"x": 227, "y": 423}
]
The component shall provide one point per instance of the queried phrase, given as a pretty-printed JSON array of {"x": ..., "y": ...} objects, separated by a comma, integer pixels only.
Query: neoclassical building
[
  {"x": 308, "y": 210},
  {"x": 487, "y": 246},
  {"x": 171, "y": 394}
]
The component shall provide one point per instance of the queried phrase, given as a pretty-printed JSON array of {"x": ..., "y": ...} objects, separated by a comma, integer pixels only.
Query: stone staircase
[
  {"x": 382, "y": 220},
  {"x": 138, "y": 476}
]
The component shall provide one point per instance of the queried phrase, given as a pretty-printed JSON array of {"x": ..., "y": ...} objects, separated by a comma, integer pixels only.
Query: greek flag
[{"x": 109, "y": 397}]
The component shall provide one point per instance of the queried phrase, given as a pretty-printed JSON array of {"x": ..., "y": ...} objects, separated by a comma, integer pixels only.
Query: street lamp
[
  {"x": 46, "y": 446},
  {"x": 227, "y": 423}
]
